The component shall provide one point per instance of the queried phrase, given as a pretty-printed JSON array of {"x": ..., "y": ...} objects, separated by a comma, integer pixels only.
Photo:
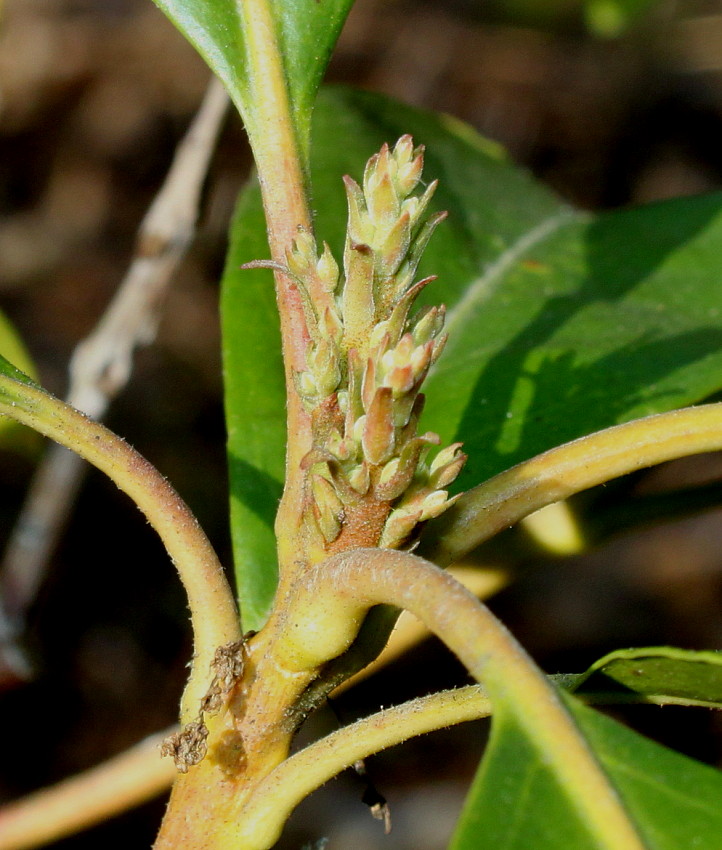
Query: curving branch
[
  {"x": 127, "y": 780},
  {"x": 561, "y": 472},
  {"x": 101, "y": 366},
  {"x": 214, "y": 615},
  {"x": 324, "y": 615}
]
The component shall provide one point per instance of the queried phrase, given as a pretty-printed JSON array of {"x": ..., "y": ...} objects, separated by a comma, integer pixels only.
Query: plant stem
[
  {"x": 127, "y": 780},
  {"x": 331, "y": 601},
  {"x": 561, "y": 472},
  {"x": 214, "y": 615},
  {"x": 310, "y": 768},
  {"x": 285, "y": 201},
  {"x": 483, "y": 582}
]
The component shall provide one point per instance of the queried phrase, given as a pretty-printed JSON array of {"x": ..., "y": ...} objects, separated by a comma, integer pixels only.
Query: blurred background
[{"x": 94, "y": 96}]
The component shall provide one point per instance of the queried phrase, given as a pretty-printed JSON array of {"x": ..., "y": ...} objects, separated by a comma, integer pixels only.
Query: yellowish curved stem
[
  {"x": 310, "y": 768},
  {"x": 559, "y": 473},
  {"x": 214, "y": 615},
  {"x": 127, "y": 780},
  {"x": 483, "y": 582},
  {"x": 329, "y": 604}
]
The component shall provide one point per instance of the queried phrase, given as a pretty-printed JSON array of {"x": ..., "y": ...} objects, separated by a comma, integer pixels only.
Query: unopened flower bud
[
  {"x": 428, "y": 324},
  {"x": 399, "y": 526},
  {"x": 360, "y": 479},
  {"x": 301, "y": 257},
  {"x": 327, "y": 269},
  {"x": 377, "y": 439},
  {"x": 360, "y": 230},
  {"x": 434, "y": 504},
  {"x": 328, "y": 508}
]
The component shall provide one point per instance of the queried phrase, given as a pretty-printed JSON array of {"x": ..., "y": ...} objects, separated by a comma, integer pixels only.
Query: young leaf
[
  {"x": 515, "y": 802},
  {"x": 306, "y": 31},
  {"x": 662, "y": 674}
]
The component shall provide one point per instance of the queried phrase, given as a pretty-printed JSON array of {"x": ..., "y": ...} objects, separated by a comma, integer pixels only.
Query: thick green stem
[
  {"x": 561, "y": 472},
  {"x": 332, "y": 601},
  {"x": 214, "y": 615},
  {"x": 282, "y": 179}
]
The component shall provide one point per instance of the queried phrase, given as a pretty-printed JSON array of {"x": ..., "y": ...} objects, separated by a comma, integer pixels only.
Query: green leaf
[
  {"x": 255, "y": 409},
  {"x": 560, "y": 323},
  {"x": 306, "y": 30},
  {"x": 661, "y": 674},
  {"x": 516, "y": 803}
]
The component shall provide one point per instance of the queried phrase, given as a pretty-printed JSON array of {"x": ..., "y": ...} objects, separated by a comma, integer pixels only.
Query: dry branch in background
[{"x": 100, "y": 368}]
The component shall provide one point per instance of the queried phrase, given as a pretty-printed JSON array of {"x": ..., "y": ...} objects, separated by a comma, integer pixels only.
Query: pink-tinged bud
[
  {"x": 341, "y": 448},
  {"x": 301, "y": 256},
  {"x": 377, "y": 439},
  {"x": 327, "y": 270},
  {"x": 428, "y": 324},
  {"x": 394, "y": 247},
  {"x": 404, "y": 150},
  {"x": 306, "y": 385},
  {"x": 383, "y": 207},
  {"x": 421, "y": 358},
  {"x": 359, "y": 478},
  {"x": 399, "y": 526},
  {"x": 395, "y": 478},
  {"x": 400, "y": 355},
  {"x": 358, "y": 309},
  {"x": 330, "y": 325},
  {"x": 443, "y": 474},
  {"x": 400, "y": 379},
  {"x": 368, "y": 384},
  {"x": 434, "y": 504},
  {"x": 359, "y": 230},
  {"x": 409, "y": 174},
  {"x": 328, "y": 508}
]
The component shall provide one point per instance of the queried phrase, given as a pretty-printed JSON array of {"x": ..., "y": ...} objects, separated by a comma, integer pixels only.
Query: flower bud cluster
[{"x": 368, "y": 356}]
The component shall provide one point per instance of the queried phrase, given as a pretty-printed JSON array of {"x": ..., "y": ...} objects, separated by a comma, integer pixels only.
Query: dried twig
[{"x": 100, "y": 368}]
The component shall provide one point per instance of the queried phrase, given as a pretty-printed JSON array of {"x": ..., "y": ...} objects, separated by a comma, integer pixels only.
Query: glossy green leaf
[
  {"x": 560, "y": 323},
  {"x": 516, "y": 803},
  {"x": 255, "y": 409},
  {"x": 306, "y": 30},
  {"x": 662, "y": 674}
]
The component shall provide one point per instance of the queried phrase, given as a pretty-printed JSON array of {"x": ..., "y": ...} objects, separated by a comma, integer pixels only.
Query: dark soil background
[{"x": 94, "y": 96}]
